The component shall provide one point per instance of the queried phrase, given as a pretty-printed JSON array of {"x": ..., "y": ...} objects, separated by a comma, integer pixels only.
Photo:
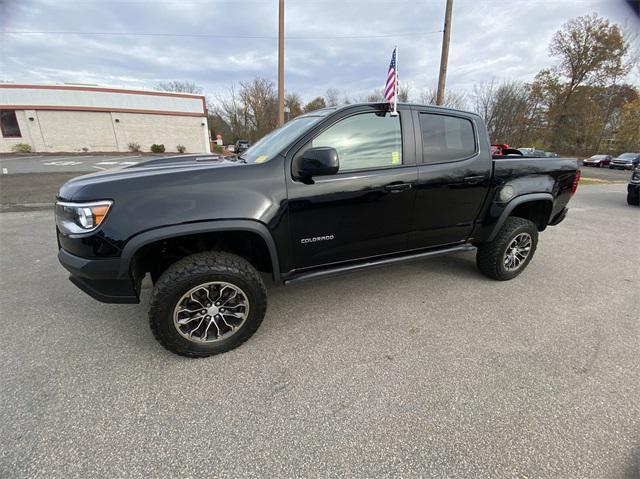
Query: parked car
[
  {"x": 241, "y": 146},
  {"x": 626, "y": 161},
  {"x": 551, "y": 154},
  {"x": 633, "y": 188},
  {"x": 597, "y": 160},
  {"x": 333, "y": 191}
]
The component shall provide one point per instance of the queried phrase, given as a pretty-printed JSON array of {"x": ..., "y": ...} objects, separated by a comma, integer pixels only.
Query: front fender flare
[
  {"x": 157, "y": 234},
  {"x": 518, "y": 200}
]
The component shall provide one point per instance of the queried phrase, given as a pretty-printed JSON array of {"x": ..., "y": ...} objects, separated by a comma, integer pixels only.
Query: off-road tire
[
  {"x": 490, "y": 256},
  {"x": 190, "y": 272}
]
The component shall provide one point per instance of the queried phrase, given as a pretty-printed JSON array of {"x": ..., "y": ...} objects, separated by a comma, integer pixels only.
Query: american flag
[{"x": 391, "y": 87}]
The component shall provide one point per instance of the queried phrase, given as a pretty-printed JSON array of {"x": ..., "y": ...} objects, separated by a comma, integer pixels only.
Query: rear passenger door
[{"x": 453, "y": 176}]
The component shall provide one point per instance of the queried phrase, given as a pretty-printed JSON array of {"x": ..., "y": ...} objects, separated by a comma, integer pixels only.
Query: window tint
[
  {"x": 9, "y": 124},
  {"x": 446, "y": 138},
  {"x": 364, "y": 141}
]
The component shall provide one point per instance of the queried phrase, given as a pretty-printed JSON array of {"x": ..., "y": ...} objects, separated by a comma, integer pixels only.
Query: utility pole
[
  {"x": 281, "y": 63},
  {"x": 444, "y": 58}
]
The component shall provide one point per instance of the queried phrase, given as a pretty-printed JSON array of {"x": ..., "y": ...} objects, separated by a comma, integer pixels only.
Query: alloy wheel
[
  {"x": 517, "y": 252},
  {"x": 211, "y": 312}
]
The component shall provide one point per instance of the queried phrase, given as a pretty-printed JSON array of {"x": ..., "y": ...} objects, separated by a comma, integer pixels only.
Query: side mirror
[{"x": 319, "y": 161}]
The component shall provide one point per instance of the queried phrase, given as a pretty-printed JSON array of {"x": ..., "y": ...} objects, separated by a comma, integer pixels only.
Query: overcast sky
[{"x": 344, "y": 44}]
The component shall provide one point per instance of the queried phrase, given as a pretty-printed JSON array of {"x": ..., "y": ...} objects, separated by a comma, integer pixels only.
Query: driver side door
[{"x": 366, "y": 209}]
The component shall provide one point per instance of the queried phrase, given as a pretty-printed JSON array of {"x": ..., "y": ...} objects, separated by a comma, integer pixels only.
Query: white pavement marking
[
  {"x": 129, "y": 162},
  {"x": 63, "y": 163},
  {"x": 20, "y": 158},
  {"x": 5, "y": 171},
  {"x": 100, "y": 168},
  {"x": 56, "y": 158},
  {"x": 107, "y": 163}
]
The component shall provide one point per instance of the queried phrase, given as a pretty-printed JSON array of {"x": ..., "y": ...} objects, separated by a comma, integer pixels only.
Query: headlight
[{"x": 75, "y": 218}]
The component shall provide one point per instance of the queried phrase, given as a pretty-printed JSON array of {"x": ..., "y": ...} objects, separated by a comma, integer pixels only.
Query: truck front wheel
[
  {"x": 207, "y": 303},
  {"x": 511, "y": 250}
]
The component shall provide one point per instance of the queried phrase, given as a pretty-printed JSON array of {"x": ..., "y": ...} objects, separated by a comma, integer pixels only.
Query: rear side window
[
  {"x": 364, "y": 141},
  {"x": 9, "y": 124},
  {"x": 446, "y": 138}
]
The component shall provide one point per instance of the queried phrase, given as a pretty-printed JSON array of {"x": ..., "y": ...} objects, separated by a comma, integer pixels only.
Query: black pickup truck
[{"x": 332, "y": 191}]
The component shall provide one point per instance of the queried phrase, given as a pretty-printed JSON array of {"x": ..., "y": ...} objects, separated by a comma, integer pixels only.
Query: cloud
[{"x": 490, "y": 39}]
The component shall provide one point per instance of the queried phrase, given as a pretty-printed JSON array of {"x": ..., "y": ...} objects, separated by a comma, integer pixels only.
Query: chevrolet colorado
[{"x": 332, "y": 191}]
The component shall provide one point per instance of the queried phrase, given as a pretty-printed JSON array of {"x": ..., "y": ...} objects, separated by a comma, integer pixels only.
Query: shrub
[
  {"x": 135, "y": 147},
  {"x": 157, "y": 148},
  {"x": 217, "y": 148},
  {"x": 21, "y": 148},
  {"x": 181, "y": 148},
  {"x": 85, "y": 149}
]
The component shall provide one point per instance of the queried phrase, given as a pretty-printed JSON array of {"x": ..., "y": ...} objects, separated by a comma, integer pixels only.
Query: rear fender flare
[
  {"x": 151, "y": 236},
  {"x": 519, "y": 200}
]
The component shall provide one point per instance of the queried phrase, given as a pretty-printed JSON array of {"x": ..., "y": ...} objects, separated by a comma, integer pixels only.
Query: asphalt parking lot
[{"x": 427, "y": 369}]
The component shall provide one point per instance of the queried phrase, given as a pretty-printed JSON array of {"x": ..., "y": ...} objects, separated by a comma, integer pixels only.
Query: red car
[{"x": 597, "y": 160}]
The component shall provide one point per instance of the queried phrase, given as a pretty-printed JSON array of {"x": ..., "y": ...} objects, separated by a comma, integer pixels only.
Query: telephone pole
[
  {"x": 281, "y": 63},
  {"x": 444, "y": 58}
]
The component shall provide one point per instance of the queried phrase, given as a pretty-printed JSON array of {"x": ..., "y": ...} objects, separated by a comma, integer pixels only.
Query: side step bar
[{"x": 335, "y": 271}]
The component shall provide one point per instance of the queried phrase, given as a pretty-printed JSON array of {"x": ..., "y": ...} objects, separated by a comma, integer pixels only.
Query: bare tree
[
  {"x": 452, "y": 98},
  {"x": 332, "y": 97},
  {"x": 505, "y": 109},
  {"x": 179, "y": 86}
]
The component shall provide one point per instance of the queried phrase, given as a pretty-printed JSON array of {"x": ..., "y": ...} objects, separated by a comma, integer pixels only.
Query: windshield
[
  {"x": 272, "y": 144},
  {"x": 627, "y": 156},
  {"x": 597, "y": 157}
]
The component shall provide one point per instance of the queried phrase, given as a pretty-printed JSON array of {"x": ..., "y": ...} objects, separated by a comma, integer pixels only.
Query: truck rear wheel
[
  {"x": 206, "y": 304},
  {"x": 511, "y": 250}
]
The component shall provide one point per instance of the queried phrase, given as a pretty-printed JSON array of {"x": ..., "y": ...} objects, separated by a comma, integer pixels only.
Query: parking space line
[
  {"x": 107, "y": 163},
  {"x": 5, "y": 171},
  {"x": 20, "y": 158},
  {"x": 100, "y": 168}
]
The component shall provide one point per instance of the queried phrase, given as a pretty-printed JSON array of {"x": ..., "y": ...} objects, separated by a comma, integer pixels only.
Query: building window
[{"x": 9, "y": 124}]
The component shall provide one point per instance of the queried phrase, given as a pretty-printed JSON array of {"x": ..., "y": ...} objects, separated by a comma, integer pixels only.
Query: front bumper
[
  {"x": 622, "y": 166},
  {"x": 99, "y": 278}
]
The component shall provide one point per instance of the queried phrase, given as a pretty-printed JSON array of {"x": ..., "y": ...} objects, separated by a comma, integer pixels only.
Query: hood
[{"x": 156, "y": 167}]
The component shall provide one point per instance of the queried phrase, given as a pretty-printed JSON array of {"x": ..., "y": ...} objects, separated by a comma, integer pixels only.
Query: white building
[{"x": 69, "y": 118}]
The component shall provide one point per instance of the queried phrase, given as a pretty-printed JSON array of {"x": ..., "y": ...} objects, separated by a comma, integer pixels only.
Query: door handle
[
  {"x": 473, "y": 179},
  {"x": 398, "y": 187}
]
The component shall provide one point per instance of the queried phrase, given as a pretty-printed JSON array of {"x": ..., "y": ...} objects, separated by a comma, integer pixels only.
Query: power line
[{"x": 209, "y": 35}]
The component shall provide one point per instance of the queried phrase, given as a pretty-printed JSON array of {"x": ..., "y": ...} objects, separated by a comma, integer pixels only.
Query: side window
[
  {"x": 446, "y": 138},
  {"x": 9, "y": 124},
  {"x": 364, "y": 141}
]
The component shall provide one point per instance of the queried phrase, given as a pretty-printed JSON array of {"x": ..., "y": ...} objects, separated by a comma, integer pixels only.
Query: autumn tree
[
  {"x": 315, "y": 104},
  {"x": 293, "y": 103},
  {"x": 592, "y": 52},
  {"x": 628, "y": 133}
]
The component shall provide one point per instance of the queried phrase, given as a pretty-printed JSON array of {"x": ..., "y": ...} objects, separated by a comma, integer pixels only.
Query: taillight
[{"x": 576, "y": 180}]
